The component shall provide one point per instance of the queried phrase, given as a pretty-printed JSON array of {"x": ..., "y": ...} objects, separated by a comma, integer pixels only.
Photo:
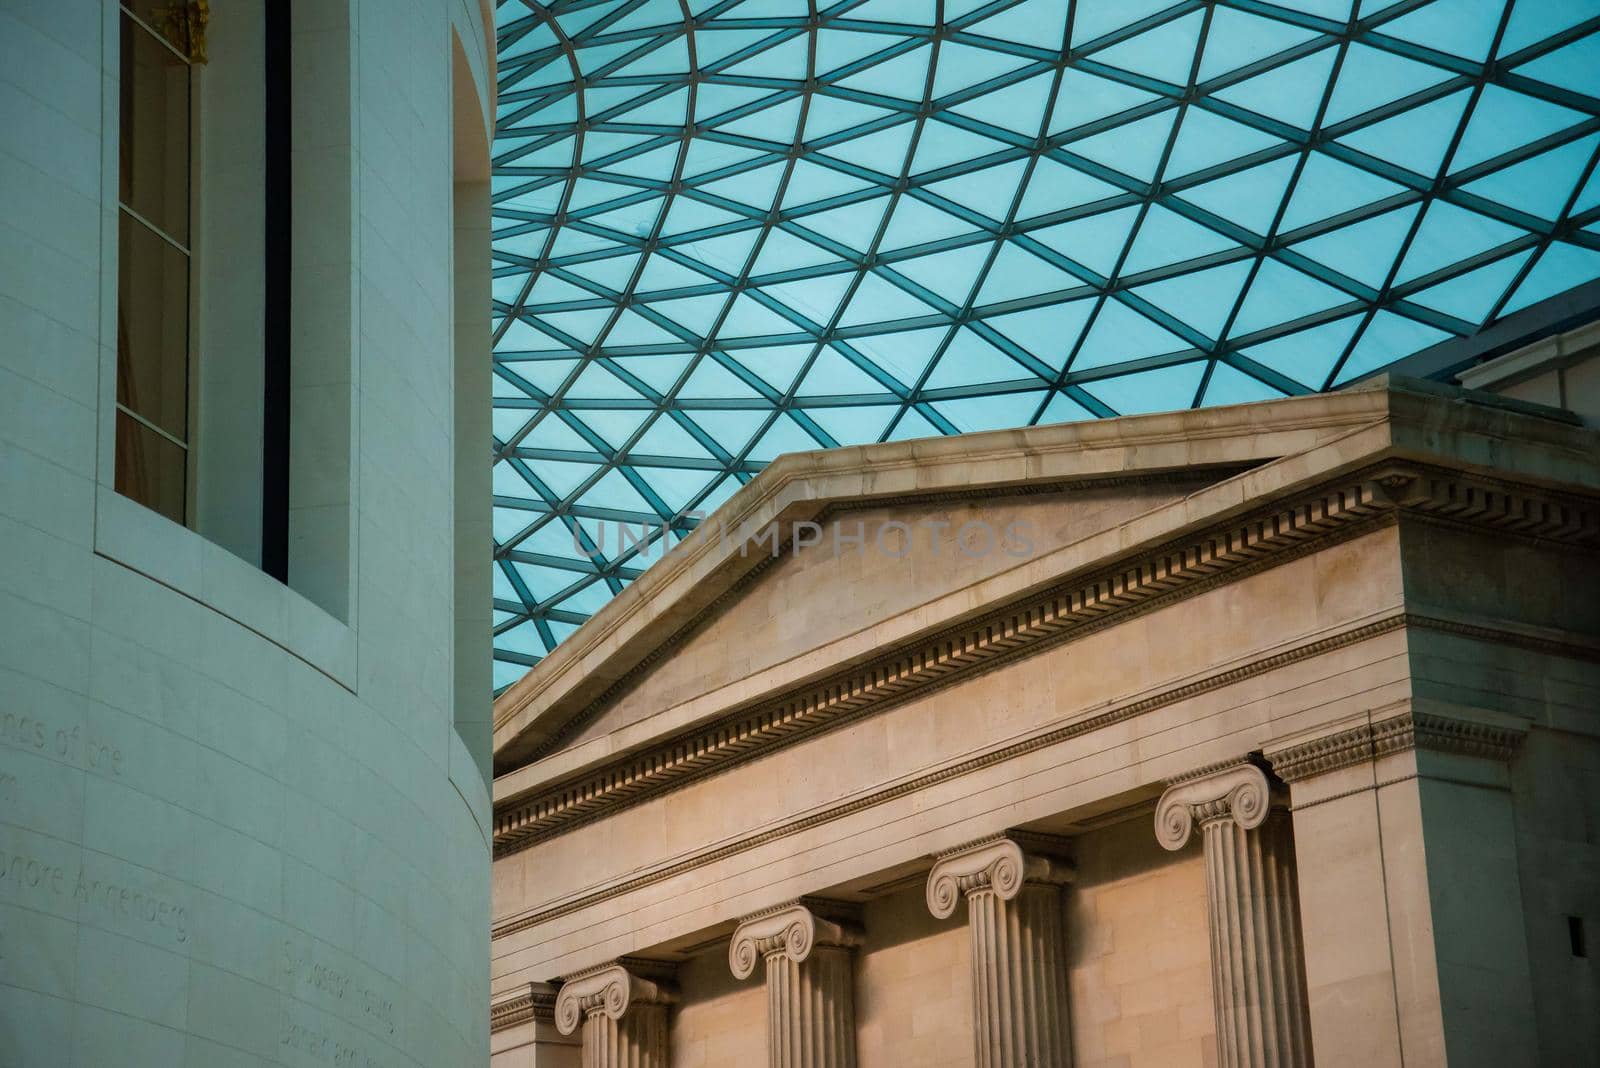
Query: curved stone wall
[{"x": 237, "y": 828}]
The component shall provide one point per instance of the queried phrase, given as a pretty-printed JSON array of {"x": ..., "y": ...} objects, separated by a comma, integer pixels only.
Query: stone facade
[{"x": 1237, "y": 748}]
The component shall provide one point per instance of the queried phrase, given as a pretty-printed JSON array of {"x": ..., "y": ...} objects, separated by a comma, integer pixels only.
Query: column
[
  {"x": 811, "y": 1020},
  {"x": 623, "y": 1015},
  {"x": 1019, "y": 974},
  {"x": 1257, "y": 981}
]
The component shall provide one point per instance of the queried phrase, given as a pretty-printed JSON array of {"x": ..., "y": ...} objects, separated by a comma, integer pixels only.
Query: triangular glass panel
[
  {"x": 1248, "y": 198},
  {"x": 1417, "y": 139},
  {"x": 1237, "y": 39},
  {"x": 1539, "y": 186},
  {"x": 1120, "y": 334},
  {"x": 1134, "y": 149},
  {"x": 991, "y": 412},
  {"x": 1291, "y": 93},
  {"x": 1162, "y": 389},
  {"x": 1365, "y": 250},
  {"x": 1282, "y": 294},
  {"x": 1308, "y": 355},
  {"x": 1201, "y": 299},
  {"x": 1084, "y": 97},
  {"x": 1562, "y": 267},
  {"x": 1017, "y": 273},
  {"x": 1386, "y": 339},
  {"x": 1229, "y": 385},
  {"x": 1469, "y": 296},
  {"x": 1371, "y": 77},
  {"x": 949, "y": 275},
  {"x": 1165, "y": 237},
  {"x": 1504, "y": 120},
  {"x": 1096, "y": 241},
  {"x": 1049, "y": 333},
  {"x": 915, "y": 222},
  {"x": 750, "y": 318},
  {"x": 1449, "y": 234},
  {"x": 876, "y": 301},
  {"x": 1163, "y": 53}
]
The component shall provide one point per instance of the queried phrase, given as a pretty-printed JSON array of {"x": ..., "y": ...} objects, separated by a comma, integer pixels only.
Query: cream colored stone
[{"x": 821, "y": 731}]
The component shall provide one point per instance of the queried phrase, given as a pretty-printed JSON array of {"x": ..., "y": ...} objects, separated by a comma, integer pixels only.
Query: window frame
[{"x": 130, "y": 535}]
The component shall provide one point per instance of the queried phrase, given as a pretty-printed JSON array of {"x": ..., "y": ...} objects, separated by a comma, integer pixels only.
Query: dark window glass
[
  {"x": 152, "y": 438},
  {"x": 151, "y": 468}
]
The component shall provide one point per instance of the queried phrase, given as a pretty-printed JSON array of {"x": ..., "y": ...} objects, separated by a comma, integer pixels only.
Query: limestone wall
[
  {"x": 1140, "y": 959},
  {"x": 913, "y": 986},
  {"x": 232, "y": 823}
]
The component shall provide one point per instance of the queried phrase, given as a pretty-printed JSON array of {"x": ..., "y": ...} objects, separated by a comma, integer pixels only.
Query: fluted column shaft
[
  {"x": 1019, "y": 973},
  {"x": 1019, "y": 977},
  {"x": 623, "y": 1015},
  {"x": 636, "y": 1040},
  {"x": 811, "y": 1021},
  {"x": 1253, "y": 912}
]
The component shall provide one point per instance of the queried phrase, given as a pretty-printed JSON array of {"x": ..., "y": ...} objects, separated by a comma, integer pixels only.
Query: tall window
[{"x": 161, "y": 43}]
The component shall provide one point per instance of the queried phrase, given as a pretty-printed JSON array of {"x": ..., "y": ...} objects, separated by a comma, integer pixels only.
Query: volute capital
[
  {"x": 996, "y": 864},
  {"x": 790, "y": 931},
  {"x": 608, "y": 989},
  {"x": 1239, "y": 792}
]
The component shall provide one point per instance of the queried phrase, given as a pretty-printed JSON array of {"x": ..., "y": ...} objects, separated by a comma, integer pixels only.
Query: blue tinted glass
[{"x": 861, "y": 226}]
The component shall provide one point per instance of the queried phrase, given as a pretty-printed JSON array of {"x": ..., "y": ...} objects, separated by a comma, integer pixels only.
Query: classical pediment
[{"x": 829, "y": 562}]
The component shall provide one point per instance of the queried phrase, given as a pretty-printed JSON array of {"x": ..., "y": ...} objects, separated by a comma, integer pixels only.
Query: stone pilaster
[
  {"x": 1019, "y": 974},
  {"x": 1257, "y": 971},
  {"x": 1406, "y": 848},
  {"x": 811, "y": 1020},
  {"x": 522, "y": 1030},
  {"x": 622, "y": 1013}
]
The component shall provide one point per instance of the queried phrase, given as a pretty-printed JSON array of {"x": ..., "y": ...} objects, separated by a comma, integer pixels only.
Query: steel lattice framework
[{"x": 729, "y": 229}]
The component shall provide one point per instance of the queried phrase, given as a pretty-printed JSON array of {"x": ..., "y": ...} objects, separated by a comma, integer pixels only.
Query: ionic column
[
  {"x": 623, "y": 1014},
  {"x": 1257, "y": 981},
  {"x": 811, "y": 1020},
  {"x": 1019, "y": 973}
]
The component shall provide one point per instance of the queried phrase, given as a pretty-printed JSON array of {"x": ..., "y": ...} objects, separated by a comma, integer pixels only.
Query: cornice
[
  {"x": 531, "y": 1001},
  {"x": 1069, "y": 610},
  {"x": 1395, "y": 734}
]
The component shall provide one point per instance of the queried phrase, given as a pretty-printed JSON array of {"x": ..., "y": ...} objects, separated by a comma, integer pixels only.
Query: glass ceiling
[{"x": 729, "y": 229}]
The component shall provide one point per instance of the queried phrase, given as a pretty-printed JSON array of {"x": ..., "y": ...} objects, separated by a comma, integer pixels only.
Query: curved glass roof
[{"x": 729, "y": 229}]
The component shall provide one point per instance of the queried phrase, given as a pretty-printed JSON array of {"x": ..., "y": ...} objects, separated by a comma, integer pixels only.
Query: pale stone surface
[
  {"x": 621, "y": 1013},
  {"x": 228, "y": 829},
  {"x": 1406, "y": 549},
  {"x": 913, "y": 984},
  {"x": 1019, "y": 975},
  {"x": 810, "y": 981},
  {"x": 1140, "y": 968},
  {"x": 1252, "y": 910},
  {"x": 718, "y": 1019}
]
